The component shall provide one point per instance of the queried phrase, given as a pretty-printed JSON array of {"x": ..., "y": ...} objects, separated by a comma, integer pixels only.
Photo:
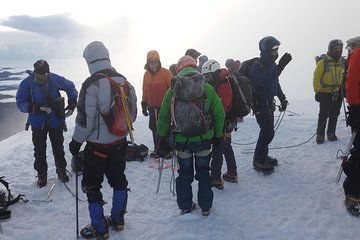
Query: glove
[
  {"x": 217, "y": 141},
  {"x": 70, "y": 107},
  {"x": 144, "y": 109},
  {"x": 353, "y": 119},
  {"x": 164, "y": 149},
  {"x": 34, "y": 108},
  {"x": 284, "y": 60},
  {"x": 283, "y": 105},
  {"x": 74, "y": 147}
]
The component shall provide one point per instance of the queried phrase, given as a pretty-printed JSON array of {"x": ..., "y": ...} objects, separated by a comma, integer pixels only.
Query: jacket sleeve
[
  {"x": 217, "y": 111},
  {"x": 91, "y": 102},
  {"x": 164, "y": 116},
  {"x": 144, "y": 90},
  {"x": 280, "y": 93},
  {"x": 67, "y": 86},
  {"x": 23, "y": 95},
  {"x": 318, "y": 73},
  {"x": 353, "y": 79},
  {"x": 132, "y": 102}
]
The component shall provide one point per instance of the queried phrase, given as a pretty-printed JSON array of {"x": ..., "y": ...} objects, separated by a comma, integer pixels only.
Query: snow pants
[
  {"x": 100, "y": 161},
  {"x": 217, "y": 159},
  {"x": 39, "y": 137},
  {"x": 352, "y": 170},
  {"x": 265, "y": 120},
  {"x": 186, "y": 154},
  {"x": 329, "y": 105}
]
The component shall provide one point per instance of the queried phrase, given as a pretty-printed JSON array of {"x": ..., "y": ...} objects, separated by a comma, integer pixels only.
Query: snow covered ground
[{"x": 300, "y": 200}]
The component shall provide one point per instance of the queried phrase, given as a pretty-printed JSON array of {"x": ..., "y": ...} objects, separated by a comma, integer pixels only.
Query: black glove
[
  {"x": 283, "y": 105},
  {"x": 74, "y": 147},
  {"x": 144, "y": 109},
  {"x": 34, "y": 108},
  {"x": 70, "y": 107},
  {"x": 217, "y": 141},
  {"x": 71, "y": 104},
  {"x": 353, "y": 119},
  {"x": 164, "y": 149},
  {"x": 284, "y": 60}
]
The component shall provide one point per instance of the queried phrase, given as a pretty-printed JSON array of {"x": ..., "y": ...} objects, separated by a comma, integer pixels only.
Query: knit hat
[
  {"x": 203, "y": 59},
  {"x": 41, "y": 67},
  {"x": 230, "y": 63},
  {"x": 335, "y": 43},
  {"x": 193, "y": 53},
  {"x": 185, "y": 61},
  {"x": 97, "y": 57}
]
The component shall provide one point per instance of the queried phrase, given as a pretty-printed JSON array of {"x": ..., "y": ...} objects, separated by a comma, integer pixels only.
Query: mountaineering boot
[
  {"x": 217, "y": 183},
  {"x": 89, "y": 232},
  {"x": 62, "y": 175},
  {"x": 273, "y": 161},
  {"x": 205, "y": 212},
  {"x": 353, "y": 205},
  {"x": 98, "y": 228},
  {"x": 119, "y": 202},
  {"x": 42, "y": 180},
  {"x": 185, "y": 211},
  {"x": 332, "y": 137},
  {"x": 230, "y": 177},
  {"x": 264, "y": 167},
  {"x": 320, "y": 139}
]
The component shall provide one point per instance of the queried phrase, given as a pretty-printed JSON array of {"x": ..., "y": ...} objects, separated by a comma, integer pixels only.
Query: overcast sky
[{"x": 220, "y": 29}]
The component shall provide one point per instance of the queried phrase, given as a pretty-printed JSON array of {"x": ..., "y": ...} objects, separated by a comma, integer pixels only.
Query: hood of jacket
[
  {"x": 97, "y": 57},
  {"x": 155, "y": 55},
  {"x": 266, "y": 45}
]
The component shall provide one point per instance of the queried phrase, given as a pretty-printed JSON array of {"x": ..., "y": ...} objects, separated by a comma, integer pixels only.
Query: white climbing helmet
[{"x": 210, "y": 66}]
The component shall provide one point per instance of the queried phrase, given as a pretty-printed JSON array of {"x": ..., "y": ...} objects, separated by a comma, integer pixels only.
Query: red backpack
[
  {"x": 117, "y": 119},
  {"x": 224, "y": 90}
]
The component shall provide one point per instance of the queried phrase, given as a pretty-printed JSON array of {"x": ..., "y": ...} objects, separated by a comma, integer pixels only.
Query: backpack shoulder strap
[{"x": 10, "y": 199}]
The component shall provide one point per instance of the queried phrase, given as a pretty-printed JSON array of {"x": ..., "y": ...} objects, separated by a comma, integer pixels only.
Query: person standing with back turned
[
  {"x": 104, "y": 153},
  {"x": 189, "y": 94},
  {"x": 265, "y": 76}
]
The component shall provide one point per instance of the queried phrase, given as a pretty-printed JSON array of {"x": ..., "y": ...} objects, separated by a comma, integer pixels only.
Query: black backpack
[
  {"x": 136, "y": 152},
  {"x": 7, "y": 199},
  {"x": 244, "y": 96}
]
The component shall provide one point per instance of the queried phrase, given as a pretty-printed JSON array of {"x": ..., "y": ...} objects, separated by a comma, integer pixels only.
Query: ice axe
[{"x": 345, "y": 157}]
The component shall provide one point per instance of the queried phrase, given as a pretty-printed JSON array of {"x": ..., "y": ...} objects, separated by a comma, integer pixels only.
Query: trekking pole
[
  {"x": 345, "y": 157},
  {"x": 160, "y": 168},
  {"x": 77, "y": 198}
]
